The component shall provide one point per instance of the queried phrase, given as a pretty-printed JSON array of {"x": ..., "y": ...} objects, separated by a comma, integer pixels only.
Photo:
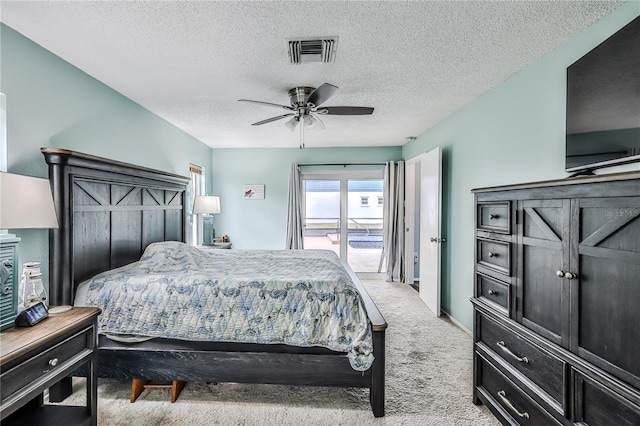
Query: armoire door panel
[
  {"x": 605, "y": 224},
  {"x": 614, "y": 288},
  {"x": 609, "y": 283},
  {"x": 543, "y": 219},
  {"x": 543, "y": 295}
]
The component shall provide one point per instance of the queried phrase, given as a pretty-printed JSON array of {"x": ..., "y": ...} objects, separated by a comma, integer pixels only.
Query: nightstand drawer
[
  {"x": 505, "y": 394},
  {"x": 540, "y": 367},
  {"x": 495, "y": 255},
  {"x": 46, "y": 363}
]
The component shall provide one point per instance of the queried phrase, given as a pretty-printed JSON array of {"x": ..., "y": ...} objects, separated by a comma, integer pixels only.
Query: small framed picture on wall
[{"x": 253, "y": 192}]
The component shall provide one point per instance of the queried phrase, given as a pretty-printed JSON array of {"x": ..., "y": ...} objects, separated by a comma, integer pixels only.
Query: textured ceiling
[{"x": 189, "y": 62}]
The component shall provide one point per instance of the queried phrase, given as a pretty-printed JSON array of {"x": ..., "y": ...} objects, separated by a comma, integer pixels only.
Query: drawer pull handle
[
  {"x": 503, "y": 396},
  {"x": 560, "y": 274},
  {"x": 53, "y": 362},
  {"x": 493, "y": 293},
  {"x": 493, "y": 216},
  {"x": 504, "y": 347},
  {"x": 492, "y": 254}
]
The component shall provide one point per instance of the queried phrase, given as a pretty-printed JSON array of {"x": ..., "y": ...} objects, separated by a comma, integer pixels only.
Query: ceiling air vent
[{"x": 312, "y": 50}]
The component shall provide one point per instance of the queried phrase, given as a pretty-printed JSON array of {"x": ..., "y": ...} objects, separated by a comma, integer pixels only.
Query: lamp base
[
  {"x": 59, "y": 309},
  {"x": 8, "y": 279}
]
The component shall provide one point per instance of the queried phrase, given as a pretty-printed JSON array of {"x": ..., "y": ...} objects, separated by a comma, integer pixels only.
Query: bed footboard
[{"x": 118, "y": 361}]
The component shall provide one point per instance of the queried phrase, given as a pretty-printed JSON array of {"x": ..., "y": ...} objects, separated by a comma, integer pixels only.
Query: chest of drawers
[{"x": 555, "y": 301}]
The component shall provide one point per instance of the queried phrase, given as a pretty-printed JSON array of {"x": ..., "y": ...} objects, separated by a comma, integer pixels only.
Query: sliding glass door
[
  {"x": 343, "y": 213},
  {"x": 364, "y": 224},
  {"x": 322, "y": 214}
]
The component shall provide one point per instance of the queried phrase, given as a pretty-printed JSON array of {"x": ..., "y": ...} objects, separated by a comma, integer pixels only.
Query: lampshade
[
  {"x": 291, "y": 124},
  {"x": 206, "y": 204},
  {"x": 26, "y": 202}
]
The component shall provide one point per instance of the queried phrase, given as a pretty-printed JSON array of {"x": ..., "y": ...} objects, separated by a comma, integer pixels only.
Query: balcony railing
[{"x": 317, "y": 225}]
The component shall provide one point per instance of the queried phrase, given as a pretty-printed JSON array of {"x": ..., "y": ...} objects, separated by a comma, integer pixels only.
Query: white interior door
[{"x": 430, "y": 237}]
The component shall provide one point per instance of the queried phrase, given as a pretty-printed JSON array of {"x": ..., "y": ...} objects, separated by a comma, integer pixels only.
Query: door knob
[
  {"x": 567, "y": 275},
  {"x": 433, "y": 239}
]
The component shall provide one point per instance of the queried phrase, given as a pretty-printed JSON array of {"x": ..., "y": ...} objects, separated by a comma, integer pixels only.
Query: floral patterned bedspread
[{"x": 293, "y": 297}]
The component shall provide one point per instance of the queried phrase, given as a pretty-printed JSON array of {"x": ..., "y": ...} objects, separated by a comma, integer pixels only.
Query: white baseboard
[{"x": 456, "y": 323}]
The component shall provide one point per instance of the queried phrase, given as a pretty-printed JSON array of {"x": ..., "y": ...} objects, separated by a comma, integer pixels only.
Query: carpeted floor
[{"x": 429, "y": 368}]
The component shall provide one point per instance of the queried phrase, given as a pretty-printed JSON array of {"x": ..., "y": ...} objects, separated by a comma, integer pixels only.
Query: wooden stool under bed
[{"x": 139, "y": 385}]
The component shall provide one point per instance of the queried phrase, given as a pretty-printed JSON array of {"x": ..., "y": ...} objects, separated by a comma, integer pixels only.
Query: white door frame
[
  {"x": 410, "y": 218},
  {"x": 429, "y": 280}
]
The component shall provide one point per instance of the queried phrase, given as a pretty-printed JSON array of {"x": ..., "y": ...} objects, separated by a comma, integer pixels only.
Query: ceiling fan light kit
[{"x": 305, "y": 102}]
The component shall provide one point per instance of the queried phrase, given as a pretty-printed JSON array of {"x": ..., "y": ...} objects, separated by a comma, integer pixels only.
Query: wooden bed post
[
  {"x": 60, "y": 248},
  {"x": 376, "y": 393}
]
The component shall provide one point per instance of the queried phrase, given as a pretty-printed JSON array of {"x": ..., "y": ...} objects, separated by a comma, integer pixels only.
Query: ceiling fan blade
[
  {"x": 269, "y": 120},
  {"x": 345, "y": 110},
  {"x": 267, "y": 103},
  {"x": 321, "y": 94}
]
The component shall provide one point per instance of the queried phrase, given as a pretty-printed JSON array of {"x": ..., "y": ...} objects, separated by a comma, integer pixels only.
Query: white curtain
[
  {"x": 295, "y": 238},
  {"x": 393, "y": 225}
]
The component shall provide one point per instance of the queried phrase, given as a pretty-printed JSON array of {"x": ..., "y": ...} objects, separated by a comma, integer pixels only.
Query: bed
[{"x": 110, "y": 212}]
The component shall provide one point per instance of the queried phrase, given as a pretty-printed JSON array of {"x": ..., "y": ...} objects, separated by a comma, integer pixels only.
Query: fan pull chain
[{"x": 301, "y": 124}]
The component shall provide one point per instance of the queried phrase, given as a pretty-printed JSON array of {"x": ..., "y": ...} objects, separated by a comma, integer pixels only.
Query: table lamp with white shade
[
  {"x": 25, "y": 203},
  {"x": 207, "y": 204}
]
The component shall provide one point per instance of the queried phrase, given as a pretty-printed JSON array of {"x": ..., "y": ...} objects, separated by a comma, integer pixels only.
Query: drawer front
[
  {"x": 543, "y": 369},
  {"x": 45, "y": 363},
  {"x": 494, "y": 217},
  {"x": 510, "y": 398},
  {"x": 495, "y": 255},
  {"x": 494, "y": 292},
  {"x": 598, "y": 405}
]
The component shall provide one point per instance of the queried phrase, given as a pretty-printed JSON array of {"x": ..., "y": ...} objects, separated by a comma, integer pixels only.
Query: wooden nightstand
[
  {"x": 215, "y": 246},
  {"x": 34, "y": 358}
]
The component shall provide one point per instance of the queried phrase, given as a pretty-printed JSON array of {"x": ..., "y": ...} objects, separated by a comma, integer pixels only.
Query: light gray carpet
[{"x": 429, "y": 369}]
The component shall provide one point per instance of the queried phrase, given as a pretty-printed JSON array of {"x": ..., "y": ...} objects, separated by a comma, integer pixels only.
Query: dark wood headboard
[{"x": 108, "y": 213}]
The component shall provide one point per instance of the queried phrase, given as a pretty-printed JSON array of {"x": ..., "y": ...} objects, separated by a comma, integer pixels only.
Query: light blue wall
[
  {"x": 261, "y": 224},
  {"x": 50, "y": 103},
  {"x": 514, "y": 133}
]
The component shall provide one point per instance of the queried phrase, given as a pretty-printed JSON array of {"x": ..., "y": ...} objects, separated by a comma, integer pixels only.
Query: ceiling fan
[{"x": 305, "y": 107}]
